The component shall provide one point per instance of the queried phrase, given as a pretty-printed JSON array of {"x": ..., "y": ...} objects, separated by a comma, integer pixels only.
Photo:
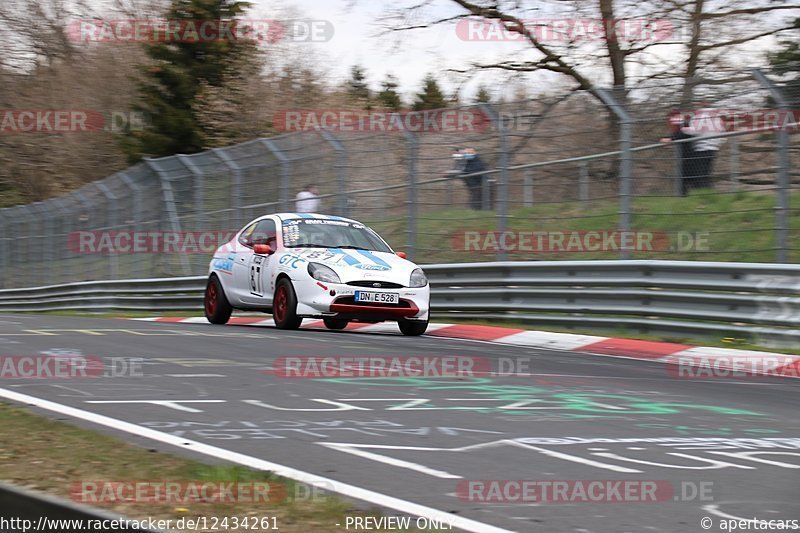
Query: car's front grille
[{"x": 376, "y": 284}]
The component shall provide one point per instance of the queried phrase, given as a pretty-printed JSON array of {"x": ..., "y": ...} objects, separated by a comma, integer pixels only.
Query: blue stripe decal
[
  {"x": 304, "y": 215},
  {"x": 374, "y": 258},
  {"x": 333, "y": 217},
  {"x": 349, "y": 259}
]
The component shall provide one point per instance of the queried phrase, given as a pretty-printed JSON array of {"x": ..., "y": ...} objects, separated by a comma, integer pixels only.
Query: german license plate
[{"x": 377, "y": 297}]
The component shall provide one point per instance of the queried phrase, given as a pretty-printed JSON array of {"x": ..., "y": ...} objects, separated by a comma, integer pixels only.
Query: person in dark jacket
[
  {"x": 473, "y": 164},
  {"x": 685, "y": 150}
]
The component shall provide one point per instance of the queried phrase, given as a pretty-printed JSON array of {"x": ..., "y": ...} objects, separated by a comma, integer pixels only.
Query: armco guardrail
[
  {"x": 678, "y": 297},
  {"x": 23, "y": 510}
]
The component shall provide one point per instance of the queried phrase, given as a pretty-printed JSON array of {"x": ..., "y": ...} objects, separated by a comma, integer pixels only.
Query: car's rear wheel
[
  {"x": 217, "y": 308},
  {"x": 284, "y": 306},
  {"x": 335, "y": 323},
  {"x": 412, "y": 327}
]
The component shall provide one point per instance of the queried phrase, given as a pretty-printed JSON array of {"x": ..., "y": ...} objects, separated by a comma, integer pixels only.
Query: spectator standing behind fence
[
  {"x": 698, "y": 161},
  {"x": 685, "y": 150},
  {"x": 703, "y": 126},
  {"x": 307, "y": 200},
  {"x": 469, "y": 162}
]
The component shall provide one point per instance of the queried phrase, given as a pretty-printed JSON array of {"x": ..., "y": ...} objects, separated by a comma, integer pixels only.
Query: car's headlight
[
  {"x": 418, "y": 278},
  {"x": 322, "y": 273}
]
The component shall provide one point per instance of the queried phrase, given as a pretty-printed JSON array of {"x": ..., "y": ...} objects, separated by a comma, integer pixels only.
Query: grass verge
[{"x": 54, "y": 457}]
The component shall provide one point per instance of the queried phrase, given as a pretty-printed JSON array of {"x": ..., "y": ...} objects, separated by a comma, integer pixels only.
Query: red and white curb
[{"x": 686, "y": 360}]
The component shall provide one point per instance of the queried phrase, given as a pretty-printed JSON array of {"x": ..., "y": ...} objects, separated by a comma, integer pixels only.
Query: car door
[{"x": 258, "y": 289}]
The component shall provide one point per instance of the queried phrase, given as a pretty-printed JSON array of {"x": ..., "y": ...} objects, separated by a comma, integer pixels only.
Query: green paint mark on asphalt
[{"x": 581, "y": 405}]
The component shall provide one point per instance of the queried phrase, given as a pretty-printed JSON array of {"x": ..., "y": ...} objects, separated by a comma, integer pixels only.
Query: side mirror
[
  {"x": 401, "y": 255},
  {"x": 263, "y": 249}
]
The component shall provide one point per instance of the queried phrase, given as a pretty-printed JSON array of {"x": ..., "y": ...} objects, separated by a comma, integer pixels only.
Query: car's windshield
[{"x": 327, "y": 233}]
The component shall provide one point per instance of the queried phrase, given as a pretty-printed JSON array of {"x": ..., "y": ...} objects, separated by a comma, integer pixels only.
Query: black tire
[
  {"x": 215, "y": 304},
  {"x": 335, "y": 323},
  {"x": 412, "y": 327},
  {"x": 284, "y": 306}
]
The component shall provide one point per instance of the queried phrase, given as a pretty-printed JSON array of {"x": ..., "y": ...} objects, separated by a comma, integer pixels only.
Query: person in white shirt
[
  {"x": 307, "y": 200},
  {"x": 705, "y": 124}
]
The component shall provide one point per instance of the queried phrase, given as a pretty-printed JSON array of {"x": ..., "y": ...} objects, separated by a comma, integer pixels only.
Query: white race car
[{"x": 305, "y": 265}]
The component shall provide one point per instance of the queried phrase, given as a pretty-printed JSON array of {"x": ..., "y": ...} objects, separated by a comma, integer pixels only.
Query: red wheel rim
[
  {"x": 281, "y": 303},
  {"x": 211, "y": 299}
]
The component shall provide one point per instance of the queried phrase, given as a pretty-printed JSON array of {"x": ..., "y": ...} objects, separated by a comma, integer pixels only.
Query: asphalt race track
[{"x": 417, "y": 439}]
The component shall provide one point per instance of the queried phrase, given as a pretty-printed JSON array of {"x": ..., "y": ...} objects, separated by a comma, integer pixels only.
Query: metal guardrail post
[
  {"x": 625, "y": 160},
  {"x": 782, "y": 176},
  {"x": 169, "y": 205},
  {"x": 411, "y": 223},
  {"x": 501, "y": 204},
  {"x": 236, "y": 194},
  {"x": 342, "y": 209},
  {"x": 286, "y": 173}
]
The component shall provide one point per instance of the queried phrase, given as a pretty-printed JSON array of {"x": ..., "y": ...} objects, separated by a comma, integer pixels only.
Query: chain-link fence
[{"x": 577, "y": 175}]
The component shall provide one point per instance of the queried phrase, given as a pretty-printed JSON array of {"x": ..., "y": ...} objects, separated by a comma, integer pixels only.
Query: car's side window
[
  {"x": 265, "y": 233},
  {"x": 246, "y": 237}
]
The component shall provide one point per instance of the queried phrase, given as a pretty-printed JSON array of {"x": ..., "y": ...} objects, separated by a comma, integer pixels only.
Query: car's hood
[{"x": 356, "y": 265}]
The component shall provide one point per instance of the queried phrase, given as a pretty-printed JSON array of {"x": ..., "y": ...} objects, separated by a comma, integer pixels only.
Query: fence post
[
  {"x": 286, "y": 173},
  {"x": 583, "y": 182},
  {"x": 83, "y": 217},
  {"x": 782, "y": 175},
  {"x": 198, "y": 189},
  {"x": 527, "y": 188},
  {"x": 677, "y": 182},
  {"x": 5, "y": 236},
  {"x": 236, "y": 194},
  {"x": 113, "y": 263},
  {"x": 625, "y": 160},
  {"x": 411, "y": 226},
  {"x": 67, "y": 264},
  {"x": 501, "y": 205},
  {"x": 169, "y": 206},
  {"x": 734, "y": 162},
  {"x": 342, "y": 209}
]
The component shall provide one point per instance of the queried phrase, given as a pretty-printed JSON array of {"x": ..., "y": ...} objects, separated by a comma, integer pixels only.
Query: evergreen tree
[
  {"x": 388, "y": 97},
  {"x": 431, "y": 96},
  {"x": 483, "y": 96},
  {"x": 786, "y": 62},
  {"x": 177, "y": 72},
  {"x": 357, "y": 85}
]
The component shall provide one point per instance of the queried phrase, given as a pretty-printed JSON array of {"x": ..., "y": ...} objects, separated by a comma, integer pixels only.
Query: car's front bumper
[{"x": 315, "y": 299}]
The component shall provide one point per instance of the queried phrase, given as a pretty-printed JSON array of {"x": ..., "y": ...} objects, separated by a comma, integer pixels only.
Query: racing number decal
[{"x": 256, "y": 277}]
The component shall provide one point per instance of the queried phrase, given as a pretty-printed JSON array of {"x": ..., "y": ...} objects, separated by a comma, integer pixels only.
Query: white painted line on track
[{"x": 351, "y": 491}]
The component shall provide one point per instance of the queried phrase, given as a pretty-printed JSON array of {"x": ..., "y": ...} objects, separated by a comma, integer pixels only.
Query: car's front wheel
[
  {"x": 412, "y": 327},
  {"x": 284, "y": 306},
  {"x": 335, "y": 323},
  {"x": 217, "y": 308}
]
